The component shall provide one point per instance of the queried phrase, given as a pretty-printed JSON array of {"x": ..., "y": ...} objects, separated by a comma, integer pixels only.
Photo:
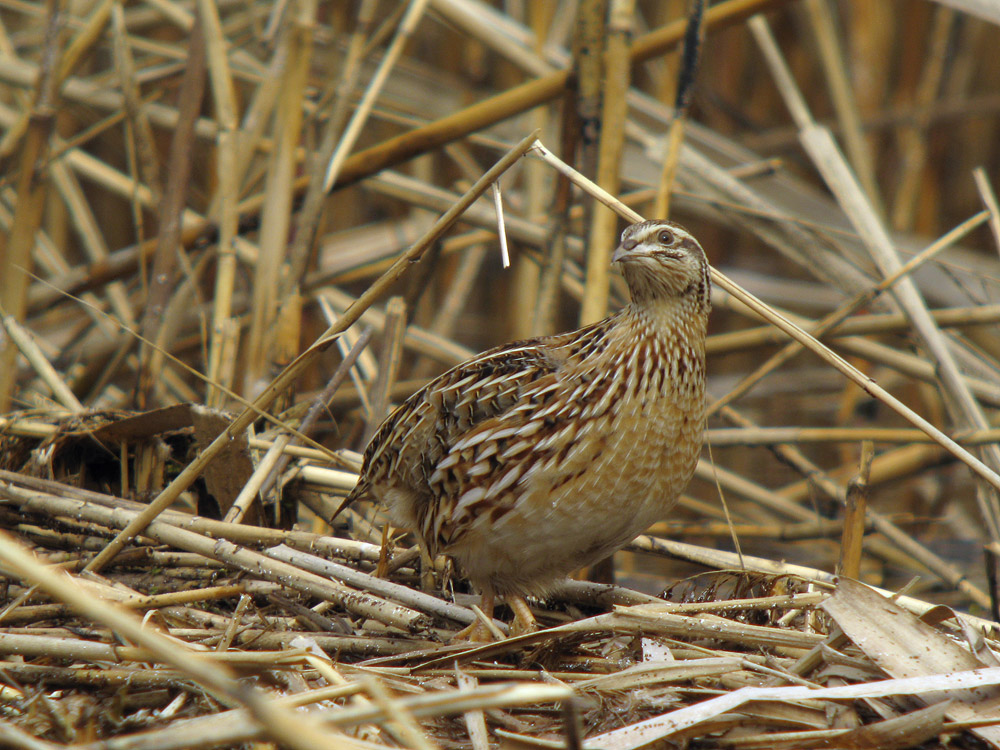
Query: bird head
[{"x": 661, "y": 261}]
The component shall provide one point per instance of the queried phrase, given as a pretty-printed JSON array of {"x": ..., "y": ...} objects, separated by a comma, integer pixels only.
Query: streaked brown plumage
[{"x": 541, "y": 456}]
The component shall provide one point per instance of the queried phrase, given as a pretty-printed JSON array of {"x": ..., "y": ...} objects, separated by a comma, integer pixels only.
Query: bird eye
[{"x": 665, "y": 237}]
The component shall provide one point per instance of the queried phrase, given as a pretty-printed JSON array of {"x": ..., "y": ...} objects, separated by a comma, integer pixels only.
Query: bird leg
[
  {"x": 382, "y": 569},
  {"x": 426, "y": 567},
  {"x": 524, "y": 621},
  {"x": 478, "y": 631}
]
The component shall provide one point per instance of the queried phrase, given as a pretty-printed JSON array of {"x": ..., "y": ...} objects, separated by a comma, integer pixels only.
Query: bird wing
[
  {"x": 459, "y": 447},
  {"x": 425, "y": 428}
]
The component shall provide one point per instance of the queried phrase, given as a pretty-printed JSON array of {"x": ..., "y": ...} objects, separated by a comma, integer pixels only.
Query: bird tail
[{"x": 360, "y": 490}]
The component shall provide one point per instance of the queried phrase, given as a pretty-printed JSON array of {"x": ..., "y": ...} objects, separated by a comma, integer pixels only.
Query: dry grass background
[{"x": 249, "y": 229}]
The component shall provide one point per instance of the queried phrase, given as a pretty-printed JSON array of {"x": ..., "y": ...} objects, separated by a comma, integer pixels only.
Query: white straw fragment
[{"x": 501, "y": 228}]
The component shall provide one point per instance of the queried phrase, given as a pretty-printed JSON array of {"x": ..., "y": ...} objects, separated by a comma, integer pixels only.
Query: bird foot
[
  {"x": 479, "y": 630},
  {"x": 524, "y": 620},
  {"x": 476, "y": 632}
]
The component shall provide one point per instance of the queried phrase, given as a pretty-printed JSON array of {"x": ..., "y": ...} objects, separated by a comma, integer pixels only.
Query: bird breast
[{"x": 607, "y": 453}]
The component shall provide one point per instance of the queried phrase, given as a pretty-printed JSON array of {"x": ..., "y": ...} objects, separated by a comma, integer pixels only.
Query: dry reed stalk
[
  {"x": 392, "y": 351},
  {"x": 263, "y": 345},
  {"x": 764, "y": 218},
  {"x": 411, "y": 18},
  {"x": 742, "y": 204},
  {"x": 308, "y": 219},
  {"x": 821, "y": 17},
  {"x": 693, "y": 36},
  {"x": 89, "y": 230},
  {"x": 291, "y": 372},
  {"x": 15, "y": 247},
  {"x": 155, "y": 326},
  {"x": 895, "y": 538},
  {"x": 527, "y": 280},
  {"x": 363, "y": 604},
  {"x": 284, "y": 446},
  {"x": 139, "y": 142},
  {"x": 528, "y": 95},
  {"x": 986, "y": 390},
  {"x": 222, "y": 333},
  {"x": 235, "y": 726},
  {"x": 847, "y": 309},
  {"x": 416, "y": 600},
  {"x": 22, "y": 339},
  {"x": 749, "y": 338},
  {"x": 298, "y": 732},
  {"x": 723, "y": 436},
  {"x": 989, "y": 199},
  {"x": 854, "y": 518},
  {"x": 437, "y": 347},
  {"x": 822, "y": 149},
  {"x": 979, "y": 468},
  {"x": 912, "y": 139},
  {"x": 610, "y": 70}
]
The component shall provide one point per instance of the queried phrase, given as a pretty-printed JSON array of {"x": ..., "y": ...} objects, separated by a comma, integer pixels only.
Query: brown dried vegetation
[{"x": 234, "y": 234}]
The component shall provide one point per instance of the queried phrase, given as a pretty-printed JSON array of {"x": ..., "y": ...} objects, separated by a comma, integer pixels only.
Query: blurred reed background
[{"x": 167, "y": 237}]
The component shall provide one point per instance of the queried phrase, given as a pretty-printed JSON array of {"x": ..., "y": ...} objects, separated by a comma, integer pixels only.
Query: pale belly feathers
[
  {"x": 574, "y": 469},
  {"x": 601, "y": 496},
  {"x": 610, "y": 486}
]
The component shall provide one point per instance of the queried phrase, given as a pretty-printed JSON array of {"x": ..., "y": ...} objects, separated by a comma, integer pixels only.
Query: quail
[{"x": 541, "y": 456}]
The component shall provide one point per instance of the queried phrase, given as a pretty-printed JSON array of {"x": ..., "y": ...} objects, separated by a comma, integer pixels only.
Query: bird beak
[{"x": 624, "y": 251}]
